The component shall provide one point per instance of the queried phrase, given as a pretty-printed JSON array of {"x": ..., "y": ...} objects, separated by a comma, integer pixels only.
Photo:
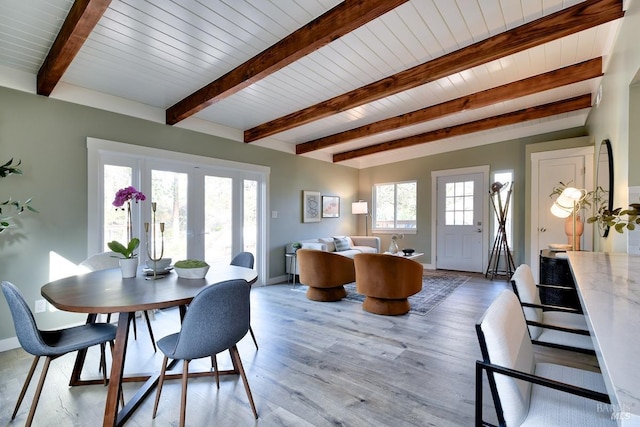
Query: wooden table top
[{"x": 106, "y": 291}]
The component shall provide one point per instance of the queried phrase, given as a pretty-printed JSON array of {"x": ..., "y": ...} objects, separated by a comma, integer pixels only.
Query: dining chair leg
[
  {"x": 254, "y": 337},
  {"x": 235, "y": 356},
  {"x": 36, "y": 396},
  {"x": 160, "y": 383},
  {"x": 135, "y": 329},
  {"x": 214, "y": 364},
  {"x": 153, "y": 340},
  {"x": 103, "y": 364},
  {"x": 183, "y": 400},
  {"x": 27, "y": 381}
]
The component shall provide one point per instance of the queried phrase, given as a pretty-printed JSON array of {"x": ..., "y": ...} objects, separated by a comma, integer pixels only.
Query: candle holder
[{"x": 154, "y": 257}]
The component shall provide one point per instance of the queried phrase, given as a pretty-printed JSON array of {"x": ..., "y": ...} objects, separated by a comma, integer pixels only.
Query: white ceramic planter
[{"x": 129, "y": 267}]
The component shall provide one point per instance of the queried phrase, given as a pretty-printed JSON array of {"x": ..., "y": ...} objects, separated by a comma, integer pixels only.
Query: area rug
[{"x": 436, "y": 287}]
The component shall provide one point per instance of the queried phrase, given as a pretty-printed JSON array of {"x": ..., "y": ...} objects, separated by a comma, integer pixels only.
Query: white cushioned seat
[
  {"x": 527, "y": 291},
  {"x": 505, "y": 341},
  {"x": 555, "y": 408}
]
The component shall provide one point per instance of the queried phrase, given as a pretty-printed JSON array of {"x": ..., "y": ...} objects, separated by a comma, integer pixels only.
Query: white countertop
[{"x": 609, "y": 290}]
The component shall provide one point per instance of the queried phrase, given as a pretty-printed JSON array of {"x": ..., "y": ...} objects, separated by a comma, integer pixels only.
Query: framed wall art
[
  {"x": 330, "y": 207},
  {"x": 311, "y": 206}
]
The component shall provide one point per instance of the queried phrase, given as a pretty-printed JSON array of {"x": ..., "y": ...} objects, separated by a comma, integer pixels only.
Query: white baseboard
[{"x": 9, "y": 344}]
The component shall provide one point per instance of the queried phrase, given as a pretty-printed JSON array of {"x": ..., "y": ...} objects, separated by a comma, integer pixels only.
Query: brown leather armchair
[
  {"x": 325, "y": 273},
  {"x": 387, "y": 281}
]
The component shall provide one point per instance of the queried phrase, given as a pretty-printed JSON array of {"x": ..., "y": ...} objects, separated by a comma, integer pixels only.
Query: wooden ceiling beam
[
  {"x": 527, "y": 114},
  {"x": 572, "y": 74},
  {"x": 563, "y": 23},
  {"x": 335, "y": 23},
  {"x": 81, "y": 20}
]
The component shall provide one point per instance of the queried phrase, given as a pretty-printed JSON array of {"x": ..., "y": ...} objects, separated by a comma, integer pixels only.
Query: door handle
[
  {"x": 479, "y": 230},
  {"x": 542, "y": 229}
]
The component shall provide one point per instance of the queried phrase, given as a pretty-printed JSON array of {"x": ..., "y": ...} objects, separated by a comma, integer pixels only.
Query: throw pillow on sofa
[
  {"x": 329, "y": 242},
  {"x": 342, "y": 243}
]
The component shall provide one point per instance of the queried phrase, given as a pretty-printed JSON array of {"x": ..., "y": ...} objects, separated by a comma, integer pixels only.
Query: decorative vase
[
  {"x": 129, "y": 267},
  {"x": 568, "y": 230},
  {"x": 393, "y": 247}
]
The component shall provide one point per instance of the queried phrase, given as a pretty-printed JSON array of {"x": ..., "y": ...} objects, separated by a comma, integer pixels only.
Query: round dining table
[{"x": 105, "y": 291}]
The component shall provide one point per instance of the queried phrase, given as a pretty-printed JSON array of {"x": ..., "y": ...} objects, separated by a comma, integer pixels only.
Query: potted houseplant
[
  {"x": 129, "y": 260},
  {"x": 18, "y": 206}
]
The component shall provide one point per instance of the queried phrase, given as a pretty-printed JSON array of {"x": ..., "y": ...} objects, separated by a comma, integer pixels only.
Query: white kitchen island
[{"x": 608, "y": 286}]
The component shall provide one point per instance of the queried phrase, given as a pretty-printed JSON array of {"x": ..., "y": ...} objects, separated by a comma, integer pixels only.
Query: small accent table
[
  {"x": 402, "y": 255},
  {"x": 292, "y": 262},
  {"x": 554, "y": 270}
]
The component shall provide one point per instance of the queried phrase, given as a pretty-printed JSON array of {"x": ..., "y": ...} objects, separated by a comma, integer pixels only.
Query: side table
[
  {"x": 292, "y": 262},
  {"x": 554, "y": 270}
]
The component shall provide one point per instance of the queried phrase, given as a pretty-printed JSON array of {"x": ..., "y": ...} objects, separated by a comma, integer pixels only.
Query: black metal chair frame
[
  {"x": 491, "y": 369},
  {"x": 554, "y": 327}
]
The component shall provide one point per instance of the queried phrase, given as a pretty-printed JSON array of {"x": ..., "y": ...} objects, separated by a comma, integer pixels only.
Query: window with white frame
[
  {"x": 395, "y": 206},
  {"x": 211, "y": 208},
  {"x": 506, "y": 178}
]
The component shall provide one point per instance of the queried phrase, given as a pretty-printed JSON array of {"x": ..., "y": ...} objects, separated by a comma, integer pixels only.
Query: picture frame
[
  {"x": 311, "y": 206},
  {"x": 330, "y": 207}
]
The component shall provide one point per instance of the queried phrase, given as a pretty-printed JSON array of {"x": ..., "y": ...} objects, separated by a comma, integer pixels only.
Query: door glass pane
[
  {"x": 115, "y": 219},
  {"x": 459, "y": 203},
  {"x": 250, "y": 220},
  {"x": 218, "y": 220},
  {"x": 169, "y": 192}
]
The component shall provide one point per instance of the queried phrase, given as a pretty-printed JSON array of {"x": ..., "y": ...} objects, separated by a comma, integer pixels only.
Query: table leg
[
  {"x": 80, "y": 358},
  {"x": 117, "y": 368}
]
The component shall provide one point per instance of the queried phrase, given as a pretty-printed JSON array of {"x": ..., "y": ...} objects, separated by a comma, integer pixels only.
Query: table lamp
[
  {"x": 361, "y": 208},
  {"x": 568, "y": 203}
]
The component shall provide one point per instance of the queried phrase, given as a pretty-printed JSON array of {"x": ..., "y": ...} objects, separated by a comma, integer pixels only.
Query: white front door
[{"x": 460, "y": 222}]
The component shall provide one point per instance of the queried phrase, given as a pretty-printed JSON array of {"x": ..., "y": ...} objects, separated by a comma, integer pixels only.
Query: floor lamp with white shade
[{"x": 361, "y": 208}]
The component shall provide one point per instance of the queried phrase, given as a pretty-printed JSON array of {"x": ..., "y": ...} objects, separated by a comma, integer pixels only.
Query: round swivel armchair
[
  {"x": 387, "y": 281},
  {"x": 325, "y": 273}
]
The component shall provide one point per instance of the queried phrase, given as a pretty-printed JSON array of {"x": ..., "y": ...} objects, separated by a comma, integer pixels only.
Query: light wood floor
[{"x": 319, "y": 364}]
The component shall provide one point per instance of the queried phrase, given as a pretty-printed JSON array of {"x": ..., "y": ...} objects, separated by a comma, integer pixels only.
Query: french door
[{"x": 201, "y": 211}]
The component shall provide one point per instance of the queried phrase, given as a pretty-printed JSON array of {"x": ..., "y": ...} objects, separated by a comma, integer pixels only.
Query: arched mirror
[{"x": 604, "y": 180}]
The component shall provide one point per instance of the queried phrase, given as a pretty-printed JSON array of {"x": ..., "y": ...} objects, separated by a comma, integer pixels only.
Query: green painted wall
[
  {"x": 499, "y": 156},
  {"x": 613, "y": 118},
  {"x": 49, "y": 136}
]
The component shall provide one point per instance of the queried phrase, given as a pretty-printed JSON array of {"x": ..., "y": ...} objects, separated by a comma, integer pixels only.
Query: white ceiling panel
[{"x": 158, "y": 53}]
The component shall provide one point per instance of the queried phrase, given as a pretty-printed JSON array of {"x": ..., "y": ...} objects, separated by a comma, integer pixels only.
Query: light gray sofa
[{"x": 358, "y": 244}]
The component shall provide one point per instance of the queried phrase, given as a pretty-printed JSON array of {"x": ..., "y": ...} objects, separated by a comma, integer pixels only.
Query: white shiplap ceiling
[{"x": 145, "y": 56}]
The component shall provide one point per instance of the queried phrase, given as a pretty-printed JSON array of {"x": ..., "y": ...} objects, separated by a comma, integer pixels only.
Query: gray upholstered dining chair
[
  {"x": 103, "y": 261},
  {"x": 217, "y": 318},
  {"x": 525, "y": 392},
  {"x": 245, "y": 259},
  {"x": 551, "y": 326},
  {"x": 50, "y": 344}
]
